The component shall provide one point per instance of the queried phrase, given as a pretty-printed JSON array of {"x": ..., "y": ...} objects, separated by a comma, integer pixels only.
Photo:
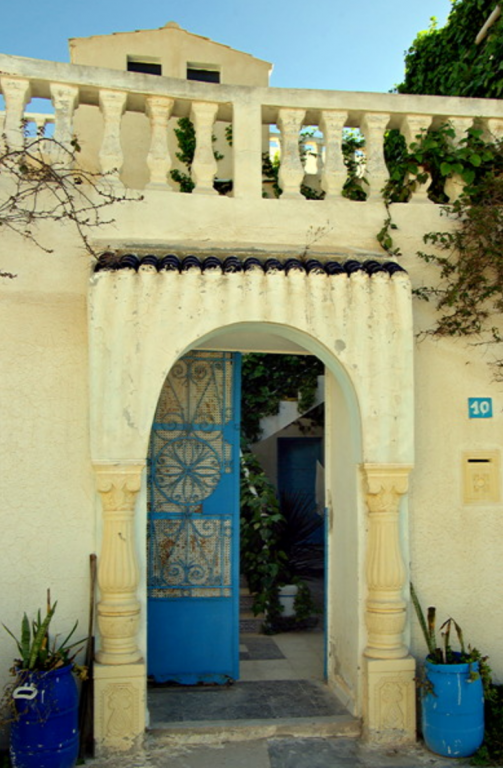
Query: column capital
[
  {"x": 385, "y": 480},
  {"x": 118, "y": 484}
]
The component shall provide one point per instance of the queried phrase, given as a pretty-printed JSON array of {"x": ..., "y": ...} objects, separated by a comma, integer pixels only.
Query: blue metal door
[{"x": 193, "y": 522}]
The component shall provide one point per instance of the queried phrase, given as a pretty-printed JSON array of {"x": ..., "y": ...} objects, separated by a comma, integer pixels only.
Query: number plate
[{"x": 480, "y": 407}]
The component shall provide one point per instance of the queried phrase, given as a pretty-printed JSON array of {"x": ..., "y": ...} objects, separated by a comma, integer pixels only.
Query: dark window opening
[
  {"x": 147, "y": 67},
  {"x": 204, "y": 75}
]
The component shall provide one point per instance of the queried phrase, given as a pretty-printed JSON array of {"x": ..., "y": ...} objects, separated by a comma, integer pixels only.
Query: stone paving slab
[
  {"x": 288, "y": 752},
  {"x": 259, "y": 648},
  {"x": 245, "y": 700}
]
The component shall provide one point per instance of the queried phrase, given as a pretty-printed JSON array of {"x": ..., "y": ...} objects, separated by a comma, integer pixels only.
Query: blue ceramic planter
[
  {"x": 45, "y": 733},
  {"x": 453, "y": 710}
]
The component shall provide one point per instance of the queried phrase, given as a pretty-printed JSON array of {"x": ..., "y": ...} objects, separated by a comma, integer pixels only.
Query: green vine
[
  {"x": 434, "y": 157},
  {"x": 352, "y": 151},
  {"x": 470, "y": 294},
  {"x": 186, "y": 137}
]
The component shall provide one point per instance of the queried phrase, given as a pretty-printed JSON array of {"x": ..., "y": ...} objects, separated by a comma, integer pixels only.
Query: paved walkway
[
  {"x": 281, "y": 685},
  {"x": 285, "y": 752}
]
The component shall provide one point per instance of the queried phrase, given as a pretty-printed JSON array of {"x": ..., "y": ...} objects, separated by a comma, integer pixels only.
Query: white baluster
[
  {"x": 158, "y": 109},
  {"x": 373, "y": 127},
  {"x": 334, "y": 172},
  {"x": 112, "y": 105},
  {"x": 204, "y": 165},
  {"x": 17, "y": 94},
  {"x": 454, "y": 185},
  {"x": 291, "y": 171},
  {"x": 494, "y": 128},
  {"x": 65, "y": 99},
  {"x": 41, "y": 123},
  {"x": 413, "y": 127}
]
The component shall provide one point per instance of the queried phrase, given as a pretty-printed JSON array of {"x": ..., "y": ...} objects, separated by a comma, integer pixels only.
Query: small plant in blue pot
[
  {"x": 452, "y": 689},
  {"x": 42, "y": 701}
]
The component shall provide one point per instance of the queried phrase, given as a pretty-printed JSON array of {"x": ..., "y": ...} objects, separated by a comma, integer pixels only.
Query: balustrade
[{"x": 248, "y": 111}]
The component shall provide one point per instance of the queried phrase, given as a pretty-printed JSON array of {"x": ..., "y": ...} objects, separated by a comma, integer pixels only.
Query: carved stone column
[
  {"x": 65, "y": 99},
  {"x": 291, "y": 171},
  {"x": 385, "y": 568},
  {"x": 334, "y": 172},
  {"x": 373, "y": 127},
  {"x": 112, "y": 105},
  {"x": 412, "y": 127},
  {"x": 389, "y": 715},
  {"x": 204, "y": 165},
  {"x": 119, "y": 608},
  {"x": 119, "y": 671},
  {"x": 158, "y": 109},
  {"x": 17, "y": 94}
]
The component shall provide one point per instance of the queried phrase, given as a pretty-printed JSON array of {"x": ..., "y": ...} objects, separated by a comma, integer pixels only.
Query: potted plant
[
  {"x": 42, "y": 701},
  {"x": 452, "y": 689}
]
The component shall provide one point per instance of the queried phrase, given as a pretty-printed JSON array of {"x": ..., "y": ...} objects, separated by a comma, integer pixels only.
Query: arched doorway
[{"x": 360, "y": 327}]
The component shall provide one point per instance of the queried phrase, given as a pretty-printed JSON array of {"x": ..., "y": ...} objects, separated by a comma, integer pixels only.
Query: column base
[
  {"x": 119, "y": 706},
  {"x": 390, "y": 701}
]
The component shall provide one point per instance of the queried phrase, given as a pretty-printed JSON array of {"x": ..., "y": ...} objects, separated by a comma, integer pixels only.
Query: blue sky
[{"x": 332, "y": 44}]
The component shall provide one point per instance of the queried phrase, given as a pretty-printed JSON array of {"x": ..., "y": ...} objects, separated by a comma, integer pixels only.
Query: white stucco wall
[{"x": 47, "y": 501}]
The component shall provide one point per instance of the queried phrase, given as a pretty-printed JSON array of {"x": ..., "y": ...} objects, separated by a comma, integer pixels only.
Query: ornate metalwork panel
[{"x": 191, "y": 514}]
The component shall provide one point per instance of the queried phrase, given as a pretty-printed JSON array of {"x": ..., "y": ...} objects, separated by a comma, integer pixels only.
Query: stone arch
[{"x": 360, "y": 326}]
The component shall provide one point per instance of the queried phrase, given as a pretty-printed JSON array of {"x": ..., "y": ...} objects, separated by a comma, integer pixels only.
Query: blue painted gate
[{"x": 193, "y": 522}]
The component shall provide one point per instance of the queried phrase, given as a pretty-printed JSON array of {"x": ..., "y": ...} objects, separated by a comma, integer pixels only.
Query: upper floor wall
[{"x": 171, "y": 52}]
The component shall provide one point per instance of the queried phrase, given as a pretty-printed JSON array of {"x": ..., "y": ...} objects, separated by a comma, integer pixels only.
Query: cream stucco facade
[{"x": 85, "y": 354}]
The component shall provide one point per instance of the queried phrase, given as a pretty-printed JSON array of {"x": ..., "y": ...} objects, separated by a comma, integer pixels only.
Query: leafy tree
[
  {"x": 268, "y": 379},
  {"x": 447, "y": 62}
]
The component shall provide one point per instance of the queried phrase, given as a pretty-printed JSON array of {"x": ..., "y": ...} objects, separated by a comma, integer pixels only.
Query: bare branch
[{"x": 42, "y": 181}]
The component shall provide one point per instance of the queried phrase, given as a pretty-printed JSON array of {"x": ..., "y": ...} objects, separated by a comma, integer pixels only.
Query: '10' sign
[{"x": 480, "y": 407}]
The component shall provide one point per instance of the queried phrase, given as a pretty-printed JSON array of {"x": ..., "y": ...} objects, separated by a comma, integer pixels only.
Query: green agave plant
[
  {"x": 442, "y": 653},
  {"x": 36, "y": 649}
]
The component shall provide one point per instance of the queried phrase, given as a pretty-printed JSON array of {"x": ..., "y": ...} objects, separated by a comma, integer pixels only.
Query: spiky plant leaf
[
  {"x": 429, "y": 636},
  {"x": 431, "y": 614},
  {"x": 25, "y": 639},
  {"x": 446, "y": 634},
  {"x": 19, "y": 647},
  {"x": 40, "y": 639},
  {"x": 65, "y": 641}
]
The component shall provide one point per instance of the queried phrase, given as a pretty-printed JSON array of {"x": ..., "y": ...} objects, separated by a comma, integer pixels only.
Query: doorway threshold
[{"x": 281, "y": 693}]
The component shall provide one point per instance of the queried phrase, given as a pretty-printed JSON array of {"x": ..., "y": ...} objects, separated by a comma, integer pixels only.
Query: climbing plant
[
  {"x": 469, "y": 298},
  {"x": 186, "y": 138},
  {"x": 432, "y": 159}
]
